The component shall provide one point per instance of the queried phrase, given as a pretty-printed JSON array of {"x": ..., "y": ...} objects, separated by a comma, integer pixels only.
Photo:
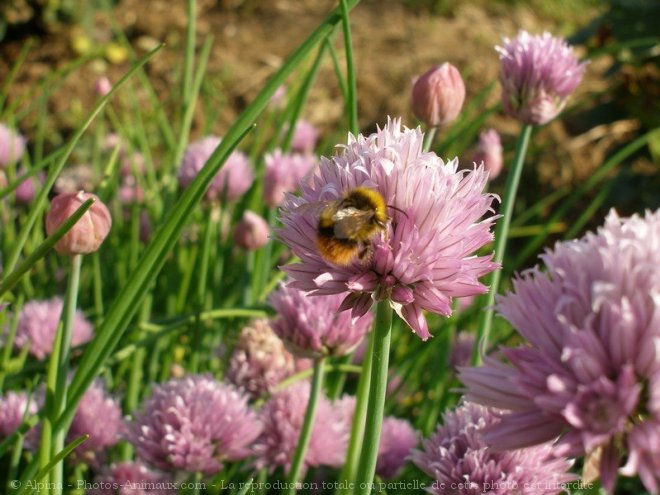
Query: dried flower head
[
  {"x": 283, "y": 417},
  {"x": 37, "y": 327},
  {"x": 95, "y": 405},
  {"x": 438, "y": 95},
  {"x": 397, "y": 440},
  {"x": 259, "y": 360},
  {"x": 537, "y": 74},
  {"x": 460, "y": 462},
  {"x": 12, "y": 146},
  {"x": 284, "y": 171},
  {"x": 424, "y": 254},
  {"x": 234, "y": 178},
  {"x": 194, "y": 424},
  {"x": 313, "y": 326},
  {"x": 131, "y": 478},
  {"x": 88, "y": 233},
  {"x": 592, "y": 325},
  {"x": 251, "y": 232},
  {"x": 489, "y": 151}
]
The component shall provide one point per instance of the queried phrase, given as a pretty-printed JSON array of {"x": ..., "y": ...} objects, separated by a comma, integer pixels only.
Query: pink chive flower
[
  {"x": 304, "y": 137},
  {"x": 283, "y": 417},
  {"x": 251, "y": 232},
  {"x": 284, "y": 171},
  {"x": 13, "y": 408},
  {"x": 76, "y": 178},
  {"x": 313, "y": 326},
  {"x": 438, "y": 95},
  {"x": 259, "y": 361},
  {"x": 459, "y": 461},
  {"x": 131, "y": 478},
  {"x": 12, "y": 146},
  {"x": 489, "y": 151},
  {"x": 88, "y": 233},
  {"x": 100, "y": 417},
  {"x": 425, "y": 255},
  {"x": 37, "y": 327},
  {"x": 537, "y": 74},
  {"x": 27, "y": 189},
  {"x": 194, "y": 424},
  {"x": 588, "y": 373},
  {"x": 130, "y": 191},
  {"x": 102, "y": 86},
  {"x": 233, "y": 180},
  {"x": 398, "y": 438}
]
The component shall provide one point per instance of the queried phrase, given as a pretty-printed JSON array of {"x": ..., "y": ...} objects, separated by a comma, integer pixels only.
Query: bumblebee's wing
[
  {"x": 349, "y": 222},
  {"x": 313, "y": 208}
]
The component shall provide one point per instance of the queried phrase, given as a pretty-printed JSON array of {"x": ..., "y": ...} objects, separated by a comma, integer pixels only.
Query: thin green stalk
[
  {"x": 351, "y": 100},
  {"x": 121, "y": 312},
  {"x": 8, "y": 341},
  {"x": 429, "y": 137},
  {"x": 201, "y": 291},
  {"x": 377, "y": 391},
  {"x": 347, "y": 475},
  {"x": 501, "y": 234},
  {"x": 340, "y": 76},
  {"x": 306, "y": 431},
  {"x": 189, "y": 56},
  {"x": 62, "y": 370},
  {"x": 9, "y": 78}
]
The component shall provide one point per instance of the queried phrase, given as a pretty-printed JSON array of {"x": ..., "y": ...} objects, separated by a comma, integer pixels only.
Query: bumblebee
[{"x": 347, "y": 225}]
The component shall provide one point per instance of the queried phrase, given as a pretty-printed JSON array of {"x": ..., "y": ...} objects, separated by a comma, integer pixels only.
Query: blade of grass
[
  {"x": 9, "y": 80},
  {"x": 351, "y": 100},
  {"x": 128, "y": 300}
]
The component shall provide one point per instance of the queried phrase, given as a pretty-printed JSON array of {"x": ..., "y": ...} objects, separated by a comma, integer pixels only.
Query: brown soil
[{"x": 392, "y": 43}]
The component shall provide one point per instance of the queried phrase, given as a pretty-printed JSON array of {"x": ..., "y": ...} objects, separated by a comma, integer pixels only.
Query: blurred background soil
[{"x": 393, "y": 42}]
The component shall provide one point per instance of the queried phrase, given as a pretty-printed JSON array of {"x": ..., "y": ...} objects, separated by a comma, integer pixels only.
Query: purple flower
[
  {"x": 283, "y": 417},
  {"x": 313, "y": 326},
  {"x": 13, "y": 406},
  {"x": 194, "y": 424},
  {"x": 461, "y": 349},
  {"x": 592, "y": 322},
  {"x": 460, "y": 462},
  {"x": 131, "y": 478},
  {"x": 424, "y": 256},
  {"x": 397, "y": 439},
  {"x": 12, "y": 146},
  {"x": 251, "y": 232},
  {"x": 304, "y": 137},
  {"x": 100, "y": 417},
  {"x": 37, "y": 327},
  {"x": 259, "y": 360},
  {"x": 232, "y": 181},
  {"x": 76, "y": 178},
  {"x": 102, "y": 86},
  {"x": 489, "y": 151},
  {"x": 537, "y": 74},
  {"x": 284, "y": 171},
  {"x": 26, "y": 190}
]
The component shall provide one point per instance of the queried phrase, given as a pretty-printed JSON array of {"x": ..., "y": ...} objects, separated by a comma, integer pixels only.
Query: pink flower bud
[
  {"x": 489, "y": 151},
  {"x": 251, "y": 232},
  {"x": 26, "y": 190},
  {"x": 88, "y": 233},
  {"x": 12, "y": 146},
  {"x": 438, "y": 95},
  {"x": 103, "y": 86}
]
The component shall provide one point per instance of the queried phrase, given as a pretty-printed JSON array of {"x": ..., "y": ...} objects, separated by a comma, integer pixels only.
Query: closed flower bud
[
  {"x": 88, "y": 233},
  {"x": 438, "y": 95},
  {"x": 103, "y": 86},
  {"x": 251, "y": 232},
  {"x": 489, "y": 151},
  {"x": 12, "y": 146}
]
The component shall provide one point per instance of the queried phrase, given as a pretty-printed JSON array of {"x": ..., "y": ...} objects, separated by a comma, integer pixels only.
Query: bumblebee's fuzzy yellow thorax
[{"x": 364, "y": 198}]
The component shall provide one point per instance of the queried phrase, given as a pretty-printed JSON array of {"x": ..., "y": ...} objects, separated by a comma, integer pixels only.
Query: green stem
[
  {"x": 351, "y": 99},
  {"x": 501, "y": 234},
  {"x": 359, "y": 417},
  {"x": 429, "y": 137},
  {"x": 201, "y": 291},
  {"x": 377, "y": 391},
  {"x": 306, "y": 431},
  {"x": 52, "y": 440}
]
